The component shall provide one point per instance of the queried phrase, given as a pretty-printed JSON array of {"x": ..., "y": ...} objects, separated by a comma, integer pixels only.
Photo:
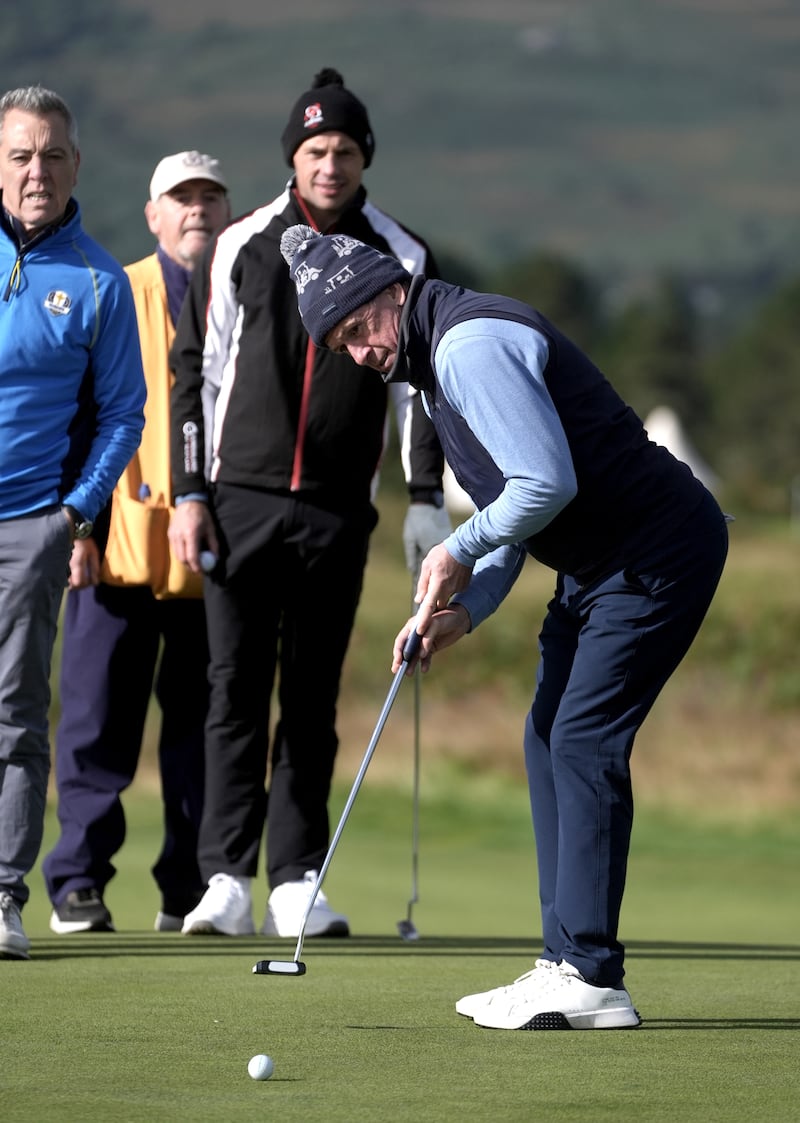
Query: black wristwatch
[{"x": 81, "y": 527}]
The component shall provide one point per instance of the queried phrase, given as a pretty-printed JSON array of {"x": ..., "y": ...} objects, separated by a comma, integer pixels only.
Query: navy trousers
[
  {"x": 606, "y": 651},
  {"x": 116, "y": 642}
]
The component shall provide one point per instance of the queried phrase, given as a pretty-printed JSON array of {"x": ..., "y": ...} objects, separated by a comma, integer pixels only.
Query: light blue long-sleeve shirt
[{"x": 492, "y": 372}]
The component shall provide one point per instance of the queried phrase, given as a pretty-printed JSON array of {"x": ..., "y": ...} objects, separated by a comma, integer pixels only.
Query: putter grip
[{"x": 411, "y": 646}]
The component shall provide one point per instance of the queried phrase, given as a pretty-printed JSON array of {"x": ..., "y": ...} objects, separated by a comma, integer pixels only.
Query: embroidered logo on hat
[
  {"x": 339, "y": 279},
  {"x": 313, "y": 117},
  {"x": 343, "y": 245},
  {"x": 304, "y": 275}
]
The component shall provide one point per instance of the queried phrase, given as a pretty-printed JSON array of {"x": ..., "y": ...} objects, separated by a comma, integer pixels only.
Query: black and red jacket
[{"x": 255, "y": 403}]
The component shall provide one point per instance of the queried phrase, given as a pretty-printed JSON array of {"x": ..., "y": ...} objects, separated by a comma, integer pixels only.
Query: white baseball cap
[{"x": 184, "y": 166}]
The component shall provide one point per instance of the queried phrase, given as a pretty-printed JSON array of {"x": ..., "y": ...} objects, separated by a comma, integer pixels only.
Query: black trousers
[{"x": 282, "y": 603}]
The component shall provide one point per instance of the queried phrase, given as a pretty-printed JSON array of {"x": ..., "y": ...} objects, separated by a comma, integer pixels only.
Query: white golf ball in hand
[
  {"x": 260, "y": 1067},
  {"x": 208, "y": 560}
]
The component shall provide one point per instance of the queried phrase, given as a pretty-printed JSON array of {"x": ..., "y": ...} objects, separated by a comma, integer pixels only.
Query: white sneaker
[
  {"x": 224, "y": 910},
  {"x": 287, "y": 905},
  {"x": 14, "y": 943},
  {"x": 471, "y": 1003},
  {"x": 560, "y": 1000}
]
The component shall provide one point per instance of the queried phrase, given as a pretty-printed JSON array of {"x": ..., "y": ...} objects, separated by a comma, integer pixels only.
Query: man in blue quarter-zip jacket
[
  {"x": 71, "y": 415},
  {"x": 559, "y": 468}
]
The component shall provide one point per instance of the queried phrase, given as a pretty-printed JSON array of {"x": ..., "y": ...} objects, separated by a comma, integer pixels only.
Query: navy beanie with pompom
[{"x": 334, "y": 274}]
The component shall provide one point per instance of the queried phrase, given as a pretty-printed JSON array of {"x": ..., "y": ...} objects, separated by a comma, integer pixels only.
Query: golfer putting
[{"x": 560, "y": 469}]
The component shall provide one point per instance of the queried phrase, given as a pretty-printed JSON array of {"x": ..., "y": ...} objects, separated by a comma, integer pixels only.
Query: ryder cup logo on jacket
[{"x": 58, "y": 303}]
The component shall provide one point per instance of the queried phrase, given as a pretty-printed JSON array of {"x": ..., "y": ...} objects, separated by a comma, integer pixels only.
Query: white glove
[{"x": 425, "y": 526}]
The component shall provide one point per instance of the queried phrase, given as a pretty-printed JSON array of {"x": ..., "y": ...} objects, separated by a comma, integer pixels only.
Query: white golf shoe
[
  {"x": 225, "y": 909},
  {"x": 559, "y": 998},
  {"x": 287, "y": 905},
  {"x": 525, "y": 984}
]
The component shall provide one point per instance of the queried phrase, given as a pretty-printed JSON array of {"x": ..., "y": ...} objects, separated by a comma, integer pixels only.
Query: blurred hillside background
[{"x": 630, "y": 168}]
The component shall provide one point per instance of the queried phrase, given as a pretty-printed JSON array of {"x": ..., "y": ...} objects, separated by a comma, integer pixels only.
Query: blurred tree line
[{"x": 735, "y": 390}]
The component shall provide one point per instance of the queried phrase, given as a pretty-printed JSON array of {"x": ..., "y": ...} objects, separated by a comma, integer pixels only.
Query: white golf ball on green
[{"x": 260, "y": 1067}]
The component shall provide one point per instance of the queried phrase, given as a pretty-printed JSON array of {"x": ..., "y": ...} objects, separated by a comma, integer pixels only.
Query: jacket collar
[
  {"x": 411, "y": 359},
  {"x": 14, "y": 228}
]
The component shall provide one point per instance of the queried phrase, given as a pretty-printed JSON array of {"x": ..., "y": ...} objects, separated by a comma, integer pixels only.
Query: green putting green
[{"x": 136, "y": 1025}]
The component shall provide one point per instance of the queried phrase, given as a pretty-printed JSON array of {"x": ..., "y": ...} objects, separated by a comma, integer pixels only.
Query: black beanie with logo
[{"x": 328, "y": 107}]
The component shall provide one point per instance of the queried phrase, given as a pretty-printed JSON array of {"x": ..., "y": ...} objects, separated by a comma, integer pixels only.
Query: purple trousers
[{"x": 118, "y": 645}]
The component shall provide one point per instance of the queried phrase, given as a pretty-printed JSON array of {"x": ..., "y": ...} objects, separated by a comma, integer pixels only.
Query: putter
[
  {"x": 407, "y": 928},
  {"x": 295, "y": 967}
]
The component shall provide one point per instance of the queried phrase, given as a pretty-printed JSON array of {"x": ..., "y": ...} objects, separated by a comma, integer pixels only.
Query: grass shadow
[
  {"x": 107, "y": 945},
  {"x": 722, "y": 1023}
]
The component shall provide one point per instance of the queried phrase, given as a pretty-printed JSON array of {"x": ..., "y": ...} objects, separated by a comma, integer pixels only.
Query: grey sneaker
[
  {"x": 167, "y": 922},
  {"x": 174, "y": 910},
  {"x": 14, "y": 943},
  {"x": 82, "y": 910}
]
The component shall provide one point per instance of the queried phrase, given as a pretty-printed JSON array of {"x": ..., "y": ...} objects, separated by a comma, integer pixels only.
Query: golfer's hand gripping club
[{"x": 411, "y": 648}]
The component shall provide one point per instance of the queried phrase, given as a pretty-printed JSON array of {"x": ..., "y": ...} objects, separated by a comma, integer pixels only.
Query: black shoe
[{"x": 82, "y": 910}]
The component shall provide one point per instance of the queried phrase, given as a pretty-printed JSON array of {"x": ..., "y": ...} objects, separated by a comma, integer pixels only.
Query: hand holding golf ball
[
  {"x": 260, "y": 1066},
  {"x": 208, "y": 560}
]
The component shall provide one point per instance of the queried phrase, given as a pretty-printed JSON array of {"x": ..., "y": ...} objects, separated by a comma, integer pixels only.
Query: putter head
[
  {"x": 407, "y": 930},
  {"x": 279, "y": 967}
]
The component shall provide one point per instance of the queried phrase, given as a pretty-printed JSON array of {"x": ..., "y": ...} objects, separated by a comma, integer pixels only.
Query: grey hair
[{"x": 36, "y": 99}]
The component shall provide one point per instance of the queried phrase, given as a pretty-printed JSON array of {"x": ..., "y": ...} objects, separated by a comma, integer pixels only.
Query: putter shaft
[{"x": 295, "y": 967}]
